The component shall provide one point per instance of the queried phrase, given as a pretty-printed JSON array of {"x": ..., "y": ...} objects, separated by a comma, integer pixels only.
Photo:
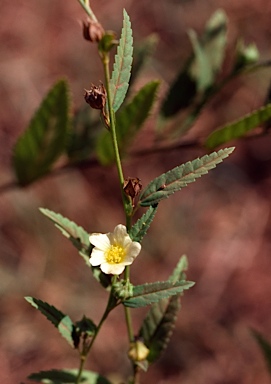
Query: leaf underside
[
  {"x": 45, "y": 138},
  {"x": 119, "y": 82},
  {"x": 152, "y": 293},
  {"x": 174, "y": 180},
  {"x": 239, "y": 127}
]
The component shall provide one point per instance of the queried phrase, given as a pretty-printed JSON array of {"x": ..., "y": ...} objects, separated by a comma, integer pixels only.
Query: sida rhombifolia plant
[{"x": 109, "y": 256}]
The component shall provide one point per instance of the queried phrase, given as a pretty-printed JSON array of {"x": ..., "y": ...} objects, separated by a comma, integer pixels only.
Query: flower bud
[
  {"x": 132, "y": 187},
  {"x": 138, "y": 351},
  {"x": 96, "y": 96},
  {"x": 92, "y": 30}
]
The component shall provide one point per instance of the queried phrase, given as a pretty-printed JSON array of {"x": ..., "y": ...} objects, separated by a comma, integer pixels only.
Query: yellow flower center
[{"x": 115, "y": 254}]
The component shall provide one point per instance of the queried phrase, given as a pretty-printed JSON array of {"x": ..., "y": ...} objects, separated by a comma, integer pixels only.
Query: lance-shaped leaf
[
  {"x": 239, "y": 127},
  {"x": 45, "y": 138},
  {"x": 152, "y": 293},
  {"x": 168, "y": 183},
  {"x": 119, "y": 82},
  {"x": 139, "y": 229},
  {"x": 80, "y": 239},
  {"x": 159, "y": 322},
  {"x": 128, "y": 122},
  {"x": 65, "y": 376},
  {"x": 61, "y": 321}
]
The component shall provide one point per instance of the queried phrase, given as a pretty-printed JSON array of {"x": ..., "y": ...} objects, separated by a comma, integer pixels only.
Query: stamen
[{"x": 115, "y": 254}]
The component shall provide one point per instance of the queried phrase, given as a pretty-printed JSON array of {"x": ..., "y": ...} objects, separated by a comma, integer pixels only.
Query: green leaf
[
  {"x": 80, "y": 239},
  {"x": 139, "y": 229},
  {"x": 179, "y": 271},
  {"x": 209, "y": 51},
  {"x": 45, "y": 138},
  {"x": 119, "y": 82},
  {"x": 128, "y": 122},
  {"x": 57, "y": 318},
  {"x": 158, "y": 326},
  {"x": 166, "y": 184},
  {"x": 239, "y": 127},
  {"x": 65, "y": 376},
  {"x": 152, "y": 293},
  {"x": 159, "y": 322},
  {"x": 265, "y": 347},
  {"x": 76, "y": 234}
]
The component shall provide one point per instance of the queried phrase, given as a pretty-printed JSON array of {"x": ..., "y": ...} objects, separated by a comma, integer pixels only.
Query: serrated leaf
[
  {"x": 76, "y": 234},
  {"x": 166, "y": 184},
  {"x": 80, "y": 239},
  {"x": 239, "y": 127},
  {"x": 119, "y": 82},
  {"x": 65, "y": 376},
  {"x": 128, "y": 122},
  {"x": 158, "y": 326},
  {"x": 45, "y": 138},
  {"x": 152, "y": 293},
  {"x": 61, "y": 321},
  {"x": 139, "y": 229},
  {"x": 265, "y": 347},
  {"x": 159, "y": 322}
]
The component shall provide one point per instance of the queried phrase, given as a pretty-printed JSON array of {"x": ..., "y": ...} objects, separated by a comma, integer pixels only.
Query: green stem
[
  {"x": 110, "y": 305},
  {"x": 85, "y": 5}
]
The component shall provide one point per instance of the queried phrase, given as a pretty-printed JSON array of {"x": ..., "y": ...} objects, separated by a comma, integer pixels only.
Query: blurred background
[{"x": 221, "y": 222}]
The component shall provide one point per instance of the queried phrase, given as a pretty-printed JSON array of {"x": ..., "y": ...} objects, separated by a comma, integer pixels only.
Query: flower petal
[
  {"x": 97, "y": 257},
  {"x": 100, "y": 241},
  {"x": 132, "y": 250},
  {"x": 120, "y": 232},
  {"x": 112, "y": 269}
]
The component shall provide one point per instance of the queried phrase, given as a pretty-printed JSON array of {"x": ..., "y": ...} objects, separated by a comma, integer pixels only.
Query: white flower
[{"x": 113, "y": 251}]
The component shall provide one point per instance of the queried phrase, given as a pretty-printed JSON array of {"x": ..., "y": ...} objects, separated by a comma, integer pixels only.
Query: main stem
[{"x": 125, "y": 200}]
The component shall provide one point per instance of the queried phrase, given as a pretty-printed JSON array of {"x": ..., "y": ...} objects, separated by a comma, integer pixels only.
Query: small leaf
[
  {"x": 265, "y": 347},
  {"x": 168, "y": 183},
  {"x": 239, "y": 127},
  {"x": 119, "y": 82},
  {"x": 152, "y": 293},
  {"x": 57, "y": 318},
  {"x": 76, "y": 234},
  {"x": 45, "y": 138},
  {"x": 128, "y": 122},
  {"x": 65, "y": 376},
  {"x": 139, "y": 229}
]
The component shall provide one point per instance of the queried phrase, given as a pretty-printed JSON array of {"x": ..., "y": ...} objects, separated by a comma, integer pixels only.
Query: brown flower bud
[
  {"x": 132, "y": 187},
  {"x": 96, "y": 96},
  {"x": 92, "y": 30}
]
